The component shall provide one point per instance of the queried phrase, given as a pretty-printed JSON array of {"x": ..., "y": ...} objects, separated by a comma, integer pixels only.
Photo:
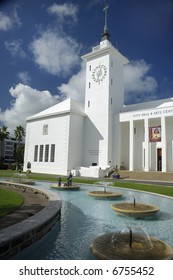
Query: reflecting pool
[{"x": 83, "y": 218}]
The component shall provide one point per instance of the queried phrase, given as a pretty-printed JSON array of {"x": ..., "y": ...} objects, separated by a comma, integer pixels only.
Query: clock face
[{"x": 99, "y": 73}]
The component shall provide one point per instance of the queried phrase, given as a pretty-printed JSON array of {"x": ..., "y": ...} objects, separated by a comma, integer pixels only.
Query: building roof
[
  {"x": 159, "y": 103},
  {"x": 67, "y": 106}
]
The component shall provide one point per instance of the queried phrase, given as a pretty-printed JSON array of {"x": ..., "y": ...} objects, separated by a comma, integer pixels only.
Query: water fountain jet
[
  {"x": 130, "y": 244},
  {"x": 102, "y": 194},
  {"x": 135, "y": 210}
]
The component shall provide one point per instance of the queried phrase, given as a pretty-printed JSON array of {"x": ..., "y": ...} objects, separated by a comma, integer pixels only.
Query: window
[
  {"x": 90, "y": 67},
  {"x": 9, "y": 148},
  {"x": 41, "y": 153},
  {"x": 89, "y": 85},
  {"x": 88, "y": 103},
  {"x": 35, "y": 152},
  {"x": 9, "y": 143},
  {"x": 45, "y": 129},
  {"x": 46, "y": 155},
  {"x": 9, "y": 153},
  {"x": 112, "y": 63},
  {"x": 111, "y": 81},
  {"x": 111, "y": 100},
  {"x": 52, "y": 153}
]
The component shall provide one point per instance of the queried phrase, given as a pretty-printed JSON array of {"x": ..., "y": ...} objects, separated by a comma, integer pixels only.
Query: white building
[{"x": 90, "y": 138}]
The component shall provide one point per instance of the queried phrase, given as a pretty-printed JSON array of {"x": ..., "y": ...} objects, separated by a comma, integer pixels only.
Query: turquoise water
[{"x": 83, "y": 218}]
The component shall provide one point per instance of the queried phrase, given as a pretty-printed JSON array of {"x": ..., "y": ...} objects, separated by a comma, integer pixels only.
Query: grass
[
  {"x": 45, "y": 177},
  {"x": 164, "y": 190},
  {"x": 9, "y": 201}
]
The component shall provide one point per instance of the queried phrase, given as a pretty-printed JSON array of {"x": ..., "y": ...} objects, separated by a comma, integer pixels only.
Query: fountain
[
  {"x": 135, "y": 210},
  {"x": 132, "y": 243},
  {"x": 104, "y": 193},
  {"x": 66, "y": 186}
]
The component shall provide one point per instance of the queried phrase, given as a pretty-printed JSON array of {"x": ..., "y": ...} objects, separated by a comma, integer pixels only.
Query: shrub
[
  {"x": 13, "y": 166},
  {"x": 3, "y": 166}
]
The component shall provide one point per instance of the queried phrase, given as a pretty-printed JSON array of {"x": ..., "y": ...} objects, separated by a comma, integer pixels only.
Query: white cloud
[
  {"x": 75, "y": 88},
  {"x": 9, "y": 22},
  {"x": 137, "y": 81},
  {"x": 15, "y": 48},
  {"x": 55, "y": 53},
  {"x": 26, "y": 102},
  {"x": 5, "y": 22},
  {"x": 15, "y": 17},
  {"x": 24, "y": 77},
  {"x": 62, "y": 11},
  {"x": 139, "y": 86}
]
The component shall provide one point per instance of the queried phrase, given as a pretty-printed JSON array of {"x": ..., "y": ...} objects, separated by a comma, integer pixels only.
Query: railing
[{"x": 108, "y": 170}]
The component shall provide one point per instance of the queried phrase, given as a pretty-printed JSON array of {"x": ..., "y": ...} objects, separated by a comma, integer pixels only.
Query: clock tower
[{"x": 104, "y": 99}]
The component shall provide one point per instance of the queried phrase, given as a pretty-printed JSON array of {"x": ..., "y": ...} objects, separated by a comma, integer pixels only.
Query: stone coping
[{"x": 17, "y": 237}]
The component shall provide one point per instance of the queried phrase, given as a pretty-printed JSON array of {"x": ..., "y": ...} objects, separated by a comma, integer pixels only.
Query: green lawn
[
  {"x": 44, "y": 177},
  {"x": 164, "y": 190},
  {"x": 9, "y": 201}
]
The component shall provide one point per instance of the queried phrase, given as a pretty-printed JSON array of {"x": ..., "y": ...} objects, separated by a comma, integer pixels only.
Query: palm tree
[
  {"x": 3, "y": 135},
  {"x": 19, "y": 133}
]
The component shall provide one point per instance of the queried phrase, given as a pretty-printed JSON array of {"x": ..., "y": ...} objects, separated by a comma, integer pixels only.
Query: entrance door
[{"x": 159, "y": 159}]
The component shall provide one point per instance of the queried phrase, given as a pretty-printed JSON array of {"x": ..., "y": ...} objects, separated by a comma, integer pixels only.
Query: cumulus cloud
[
  {"x": 75, "y": 88},
  {"x": 139, "y": 87},
  {"x": 63, "y": 11},
  {"x": 55, "y": 53},
  {"x": 15, "y": 48},
  {"x": 26, "y": 102},
  {"x": 138, "y": 84}
]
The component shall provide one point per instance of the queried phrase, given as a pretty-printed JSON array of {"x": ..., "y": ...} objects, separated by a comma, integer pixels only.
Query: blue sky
[{"x": 41, "y": 43}]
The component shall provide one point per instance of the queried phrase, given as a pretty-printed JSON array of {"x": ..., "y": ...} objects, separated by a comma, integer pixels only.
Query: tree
[
  {"x": 19, "y": 133},
  {"x": 19, "y": 155},
  {"x": 3, "y": 135}
]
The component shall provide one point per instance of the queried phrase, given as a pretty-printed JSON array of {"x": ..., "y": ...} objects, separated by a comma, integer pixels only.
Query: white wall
[
  {"x": 102, "y": 101},
  {"x": 169, "y": 139},
  {"x": 124, "y": 139},
  {"x": 138, "y": 140},
  {"x": 92, "y": 138},
  {"x": 58, "y": 134},
  {"x": 96, "y": 124},
  {"x": 75, "y": 141}
]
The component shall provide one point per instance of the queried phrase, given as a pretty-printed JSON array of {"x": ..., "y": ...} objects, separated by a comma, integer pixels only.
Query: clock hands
[{"x": 99, "y": 73}]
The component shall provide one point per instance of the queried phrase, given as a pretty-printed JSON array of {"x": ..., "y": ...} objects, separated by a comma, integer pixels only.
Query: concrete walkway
[
  {"x": 33, "y": 203},
  {"x": 29, "y": 223}
]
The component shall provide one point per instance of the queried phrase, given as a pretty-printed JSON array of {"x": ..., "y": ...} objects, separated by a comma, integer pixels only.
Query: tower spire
[{"x": 105, "y": 35}]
